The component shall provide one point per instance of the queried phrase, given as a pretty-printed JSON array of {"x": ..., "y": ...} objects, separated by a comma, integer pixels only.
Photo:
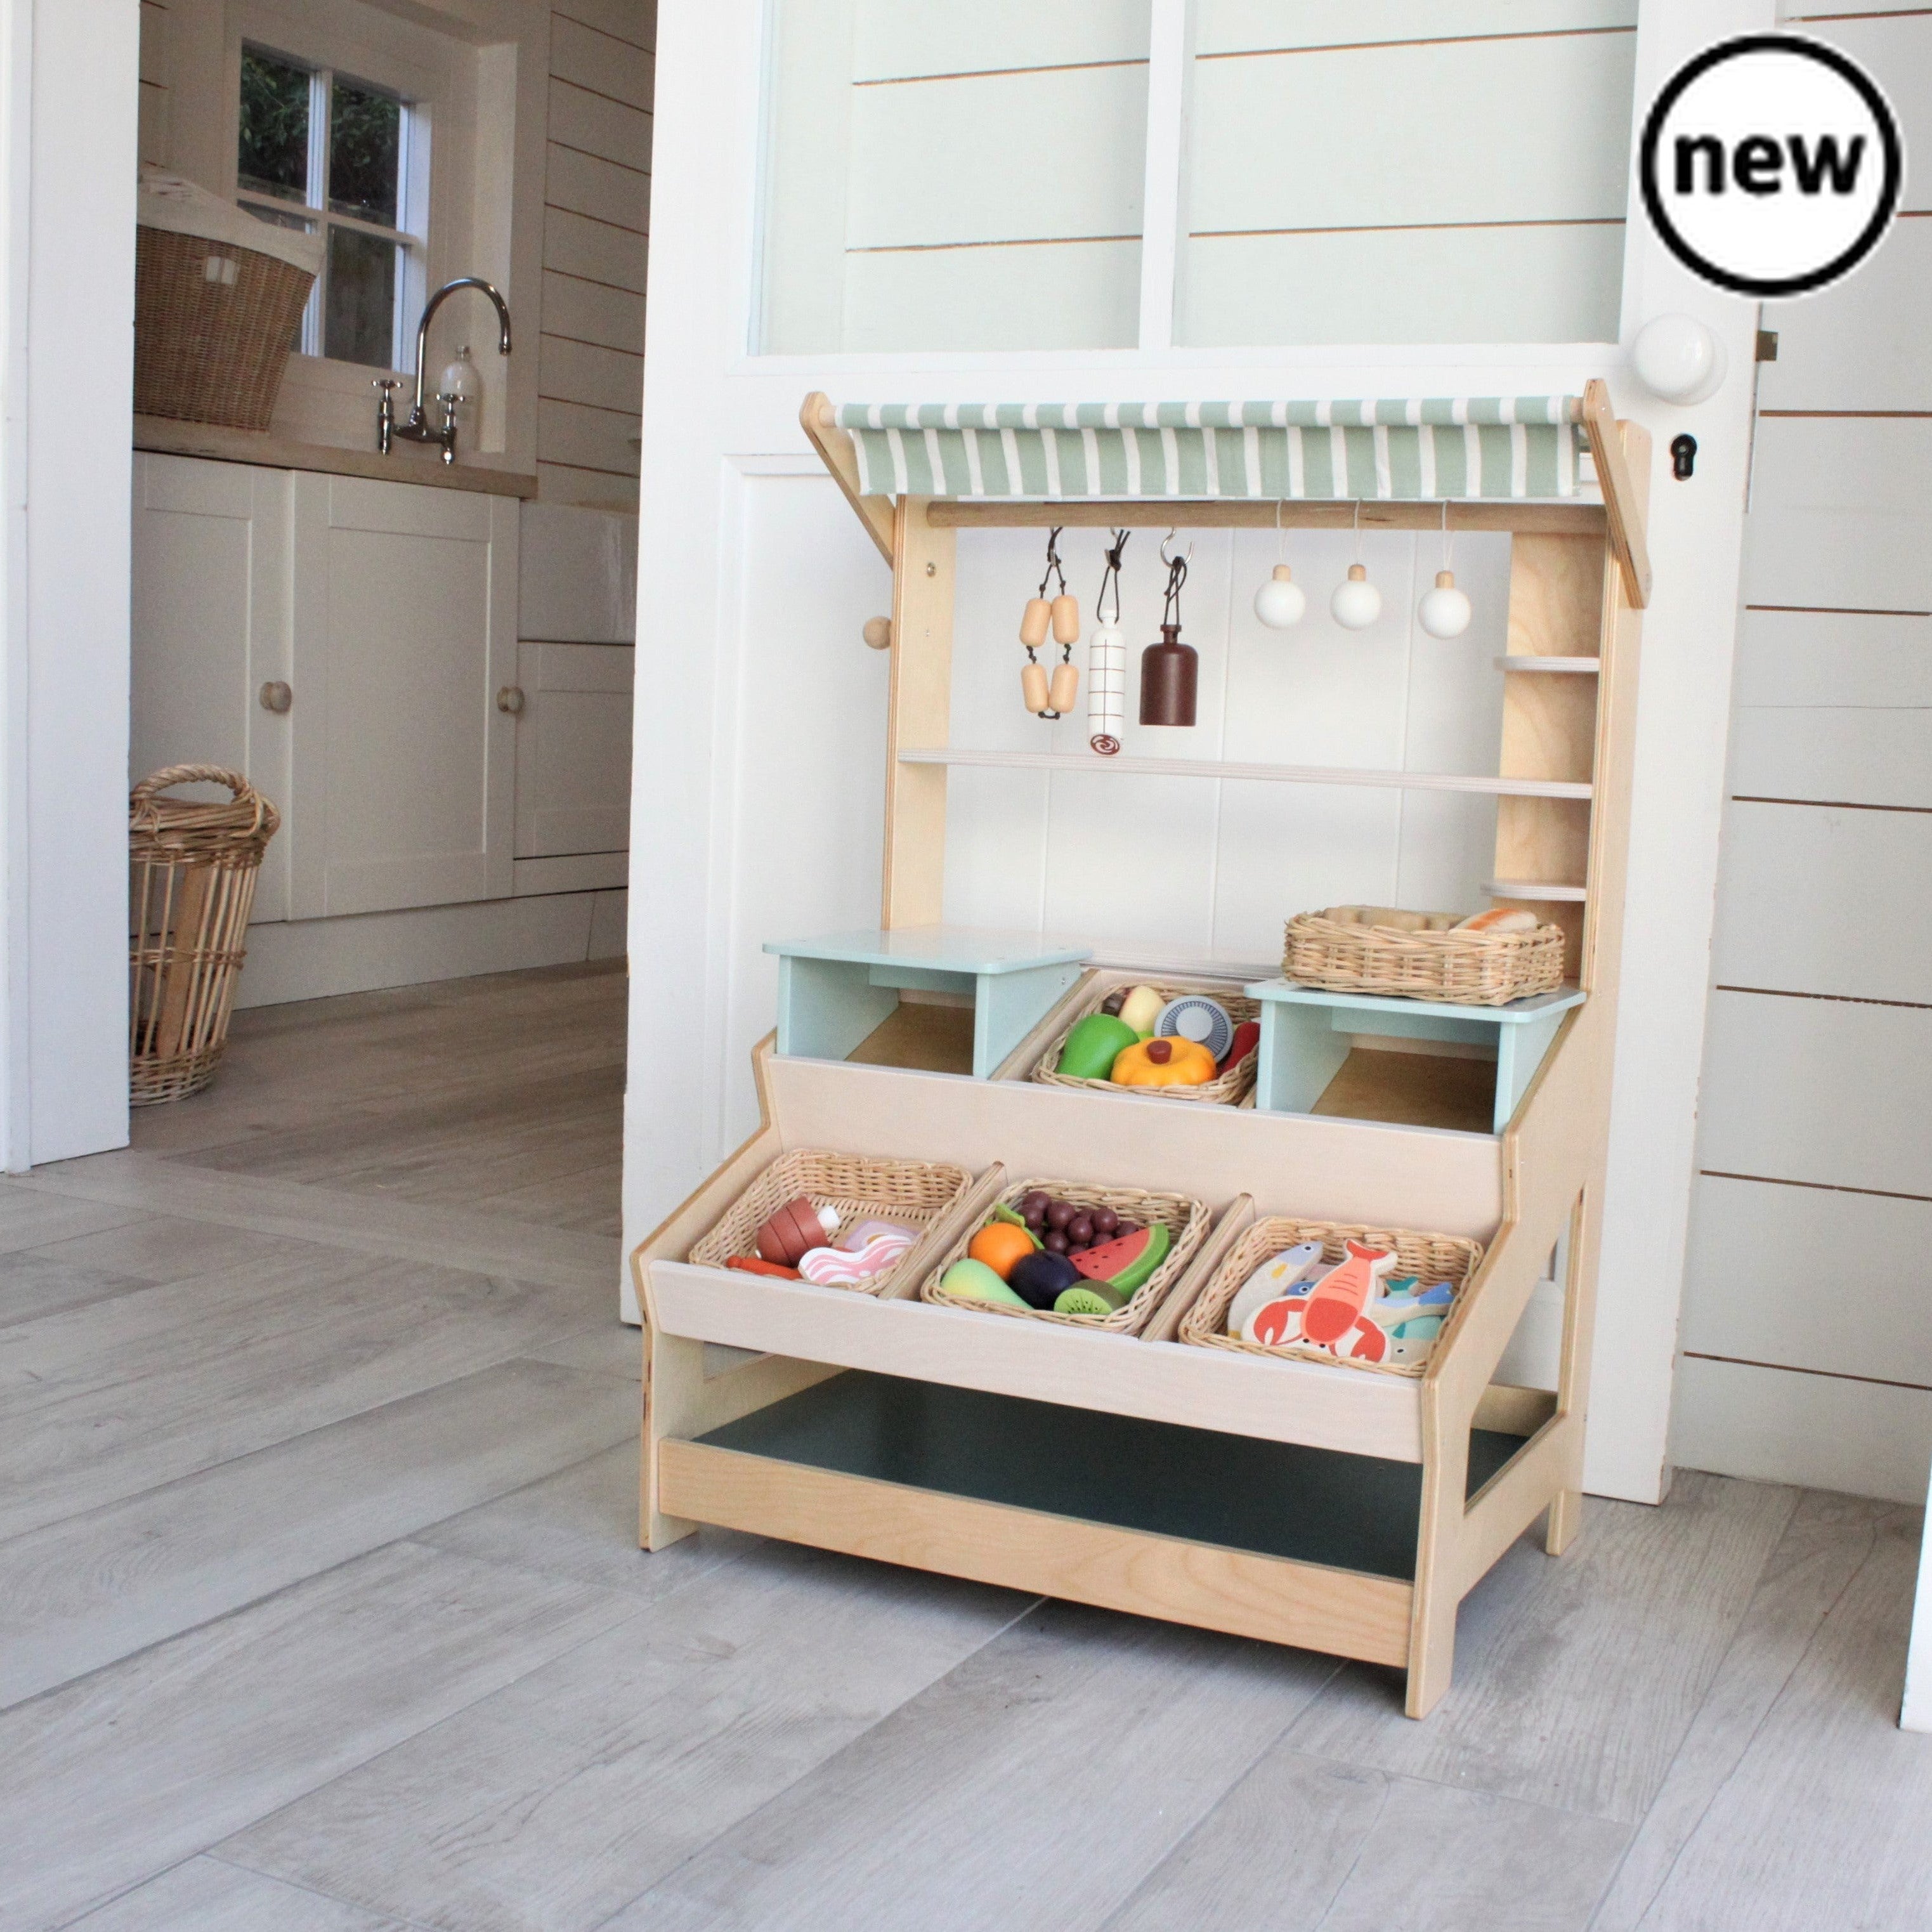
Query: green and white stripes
[{"x": 1469, "y": 446}]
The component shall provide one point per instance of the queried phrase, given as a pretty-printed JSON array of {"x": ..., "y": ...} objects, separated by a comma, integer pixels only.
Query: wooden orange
[{"x": 1000, "y": 1244}]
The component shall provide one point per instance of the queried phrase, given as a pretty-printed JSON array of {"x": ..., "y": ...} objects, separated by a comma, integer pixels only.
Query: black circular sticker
[{"x": 1771, "y": 164}]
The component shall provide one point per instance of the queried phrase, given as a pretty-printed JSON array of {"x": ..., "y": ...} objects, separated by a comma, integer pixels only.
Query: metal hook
[{"x": 1186, "y": 556}]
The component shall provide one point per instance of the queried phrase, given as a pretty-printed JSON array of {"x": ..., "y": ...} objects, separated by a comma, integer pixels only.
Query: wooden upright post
[{"x": 920, "y": 718}]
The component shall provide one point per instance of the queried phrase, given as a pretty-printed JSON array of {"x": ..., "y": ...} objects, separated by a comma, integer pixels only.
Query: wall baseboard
[{"x": 317, "y": 958}]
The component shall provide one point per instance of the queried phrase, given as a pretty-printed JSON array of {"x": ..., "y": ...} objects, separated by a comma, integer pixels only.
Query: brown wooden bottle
[{"x": 1169, "y": 672}]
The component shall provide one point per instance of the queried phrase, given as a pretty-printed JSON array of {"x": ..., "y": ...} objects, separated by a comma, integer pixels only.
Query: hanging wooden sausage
[
  {"x": 1107, "y": 661},
  {"x": 1060, "y": 616}
]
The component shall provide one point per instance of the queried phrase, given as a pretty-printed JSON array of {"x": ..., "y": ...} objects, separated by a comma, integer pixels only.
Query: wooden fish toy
[{"x": 1272, "y": 1280}]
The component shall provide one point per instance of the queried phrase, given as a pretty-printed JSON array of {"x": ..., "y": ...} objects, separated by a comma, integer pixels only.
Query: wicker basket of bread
[{"x": 1487, "y": 959}]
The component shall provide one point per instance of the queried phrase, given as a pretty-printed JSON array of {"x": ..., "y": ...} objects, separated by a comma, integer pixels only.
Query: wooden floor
[{"x": 320, "y": 1610}]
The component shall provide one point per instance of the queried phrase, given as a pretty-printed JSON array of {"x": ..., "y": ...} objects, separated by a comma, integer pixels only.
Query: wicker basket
[
  {"x": 1229, "y": 1090},
  {"x": 209, "y": 350},
  {"x": 193, "y": 869},
  {"x": 861, "y": 1187},
  {"x": 1186, "y": 1221},
  {"x": 1430, "y": 1258},
  {"x": 1475, "y": 969}
]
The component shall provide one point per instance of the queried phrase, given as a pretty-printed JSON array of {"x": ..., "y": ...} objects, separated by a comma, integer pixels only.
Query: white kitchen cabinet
[
  {"x": 426, "y": 758},
  {"x": 212, "y": 610},
  {"x": 404, "y": 636},
  {"x": 573, "y": 765}
]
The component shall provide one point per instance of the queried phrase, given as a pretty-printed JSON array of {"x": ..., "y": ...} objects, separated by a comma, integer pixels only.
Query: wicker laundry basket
[
  {"x": 217, "y": 297},
  {"x": 194, "y": 867}
]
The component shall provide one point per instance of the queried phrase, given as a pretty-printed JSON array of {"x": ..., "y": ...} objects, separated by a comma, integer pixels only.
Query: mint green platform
[
  {"x": 1305, "y": 1034},
  {"x": 833, "y": 991}
]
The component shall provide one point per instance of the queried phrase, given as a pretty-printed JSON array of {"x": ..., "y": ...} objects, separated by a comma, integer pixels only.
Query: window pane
[
  {"x": 276, "y": 218},
  {"x": 273, "y": 157},
  {"x": 954, "y": 177},
  {"x": 1351, "y": 180},
  {"x": 359, "y": 315},
  {"x": 365, "y": 150}
]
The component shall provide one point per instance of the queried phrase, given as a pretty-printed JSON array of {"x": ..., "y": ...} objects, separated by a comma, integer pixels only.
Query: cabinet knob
[
  {"x": 878, "y": 633},
  {"x": 510, "y": 699},
  {"x": 277, "y": 697}
]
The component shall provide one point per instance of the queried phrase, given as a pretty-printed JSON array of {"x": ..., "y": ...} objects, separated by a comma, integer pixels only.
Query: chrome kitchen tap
[{"x": 418, "y": 428}]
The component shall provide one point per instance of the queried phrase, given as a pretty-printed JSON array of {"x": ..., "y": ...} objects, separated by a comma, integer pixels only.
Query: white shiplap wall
[
  {"x": 1807, "y": 1344},
  {"x": 596, "y": 242}
]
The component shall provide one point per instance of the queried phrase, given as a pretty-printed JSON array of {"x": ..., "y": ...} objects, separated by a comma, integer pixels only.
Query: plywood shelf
[
  {"x": 1303, "y": 1546},
  {"x": 1536, "y": 890},
  {"x": 1218, "y": 768},
  {"x": 1303, "y": 1402},
  {"x": 1578, "y": 667}
]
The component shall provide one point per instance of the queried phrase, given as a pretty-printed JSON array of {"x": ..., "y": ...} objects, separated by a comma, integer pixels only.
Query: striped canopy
[{"x": 1461, "y": 446}]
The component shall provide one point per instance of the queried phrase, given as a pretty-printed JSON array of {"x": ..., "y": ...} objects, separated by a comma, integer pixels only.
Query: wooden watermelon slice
[{"x": 1125, "y": 1264}]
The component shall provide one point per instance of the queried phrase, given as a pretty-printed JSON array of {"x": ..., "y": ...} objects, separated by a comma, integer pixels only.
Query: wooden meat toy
[
  {"x": 839, "y": 1267},
  {"x": 796, "y": 1229}
]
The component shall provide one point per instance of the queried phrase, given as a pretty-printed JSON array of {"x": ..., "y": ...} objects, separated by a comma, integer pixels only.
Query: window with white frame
[
  {"x": 1207, "y": 174},
  {"x": 328, "y": 153}
]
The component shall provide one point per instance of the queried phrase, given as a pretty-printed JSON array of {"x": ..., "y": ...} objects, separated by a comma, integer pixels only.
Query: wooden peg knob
[
  {"x": 1033, "y": 687},
  {"x": 277, "y": 697},
  {"x": 1066, "y": 615},
  {"x": 1035, "y": 622},
  {"x": 510, "y": 699},
  {"x": 1064, "y": 692},
  {"x": 878, "y": 633}
]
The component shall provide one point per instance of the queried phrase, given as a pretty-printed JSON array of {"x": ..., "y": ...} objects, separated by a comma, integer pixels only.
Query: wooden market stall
[{"x": 1300, "y": 1502}]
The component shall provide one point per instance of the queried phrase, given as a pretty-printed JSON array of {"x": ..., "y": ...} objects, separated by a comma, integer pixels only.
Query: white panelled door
[
  {"x": 404, "y": 635},
  {"x": 893, "y": 200},
  {"x": 210, "y": 620}
]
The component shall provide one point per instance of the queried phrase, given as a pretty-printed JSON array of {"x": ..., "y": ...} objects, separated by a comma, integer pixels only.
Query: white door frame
[
  {"x": 69, "y": 96},
  {"x": 714, "y": 411}
]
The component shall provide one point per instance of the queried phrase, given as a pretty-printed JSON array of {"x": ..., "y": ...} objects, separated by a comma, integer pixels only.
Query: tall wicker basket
[{"x": 194, "y": 867}]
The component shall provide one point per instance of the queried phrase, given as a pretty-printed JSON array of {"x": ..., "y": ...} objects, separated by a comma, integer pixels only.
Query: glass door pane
[
  {"x": 948, "y": 176},
  {"x": 1399, "y": 171}
]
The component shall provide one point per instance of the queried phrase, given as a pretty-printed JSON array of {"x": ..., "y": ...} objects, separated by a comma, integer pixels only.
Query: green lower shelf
[{"x": 1275, "y": 1498}]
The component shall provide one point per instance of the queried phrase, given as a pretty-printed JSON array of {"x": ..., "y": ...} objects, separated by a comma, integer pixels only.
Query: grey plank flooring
[
  {"x": 110, "y": 1779},
  {"x": 79, "y": 1593},
  {"x": 1828, "y": 1542},
  {"x": 1576, "y": 1681},
  {"x": 320, "y": 1594},
  {"x": 554, "y": 1802},
  {"x": 100, "y": 1402},
  {"x": 1035, "y": 1785},
  {"x": 1824, "y": 1772},
  {"x": 34, "y": 1284},
  {"x": 1303, "y": 1842},
  {"x": 582, "y": 1522},
  {"x": 202, "y": 1894}
]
